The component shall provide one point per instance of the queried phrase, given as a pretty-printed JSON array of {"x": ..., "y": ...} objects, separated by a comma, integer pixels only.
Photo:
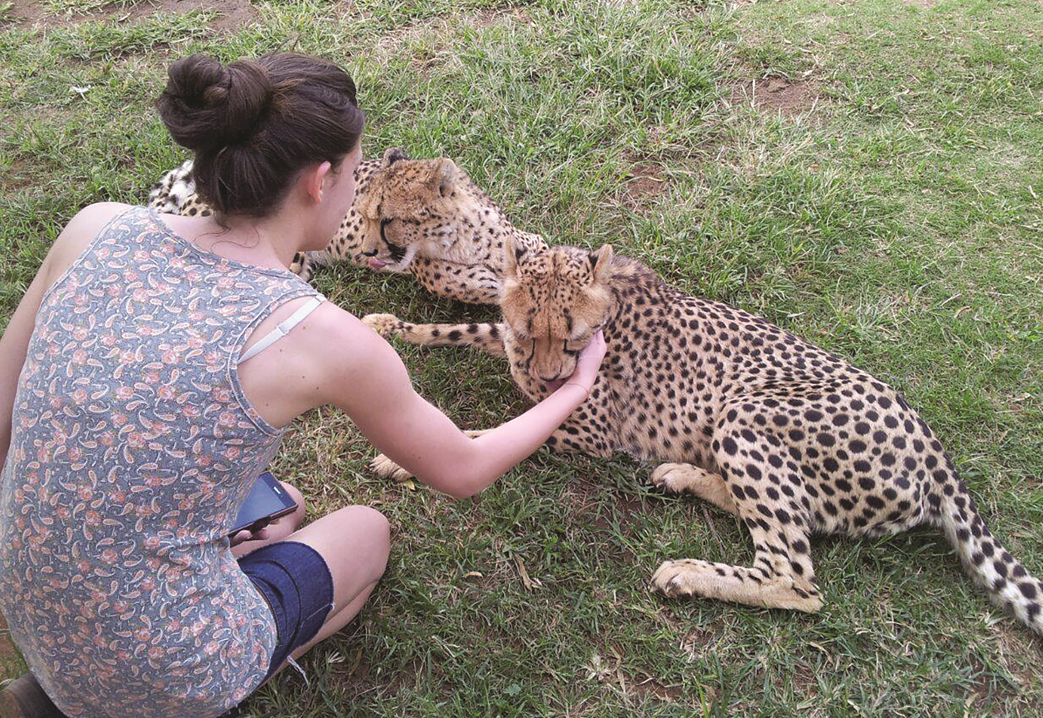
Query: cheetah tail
[{"x": 1009, "y": 585}]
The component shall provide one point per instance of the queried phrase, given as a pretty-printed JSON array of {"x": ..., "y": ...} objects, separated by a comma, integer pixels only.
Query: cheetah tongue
[
  {"x": 376, "y": 264},
  {"x": 556, "y": 384}
]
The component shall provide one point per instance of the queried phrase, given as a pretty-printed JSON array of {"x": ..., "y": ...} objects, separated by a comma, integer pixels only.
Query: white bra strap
[{"x": 283, "y": 328}]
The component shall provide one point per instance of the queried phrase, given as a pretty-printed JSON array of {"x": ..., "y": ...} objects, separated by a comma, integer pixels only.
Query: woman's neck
[{"x": 270, "y": 242}]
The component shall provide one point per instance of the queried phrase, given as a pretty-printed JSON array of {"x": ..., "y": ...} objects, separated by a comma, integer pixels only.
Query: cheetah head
[
  {"x": 553, "y": 300},
  {"x": 407, "y": 207}
]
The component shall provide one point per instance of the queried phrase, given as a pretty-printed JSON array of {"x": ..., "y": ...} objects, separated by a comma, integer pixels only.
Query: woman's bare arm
[{"x": 366, "y": 378}]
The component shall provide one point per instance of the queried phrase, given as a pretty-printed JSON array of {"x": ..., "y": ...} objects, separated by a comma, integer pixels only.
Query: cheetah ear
[
  {"x": 443, "y": 177},
  {"x": 600, "y": 262},
  {"x": 512, "y": 254},
  {"x": 391, "y": 156}
]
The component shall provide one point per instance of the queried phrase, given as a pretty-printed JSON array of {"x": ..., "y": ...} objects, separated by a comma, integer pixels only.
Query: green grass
[
  {"x": 86, "y": 7},
  {"x": 899, "y": 222}
]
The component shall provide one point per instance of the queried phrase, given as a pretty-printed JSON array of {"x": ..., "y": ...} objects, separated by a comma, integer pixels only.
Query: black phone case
[{"x": 266, "y": 481}]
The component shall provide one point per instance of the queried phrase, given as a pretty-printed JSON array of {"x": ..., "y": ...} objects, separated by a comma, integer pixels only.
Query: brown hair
[{"x": 254, "y": 124}]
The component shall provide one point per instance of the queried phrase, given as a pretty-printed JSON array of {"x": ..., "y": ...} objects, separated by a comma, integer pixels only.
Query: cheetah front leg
[
  {"x": 571, "y": 436},
  {"x": 679, "y": 478},
  {"x": 586, "y": 431},
  {"x": 485, "y": 337},
  {"x": 471, "y": 283}
]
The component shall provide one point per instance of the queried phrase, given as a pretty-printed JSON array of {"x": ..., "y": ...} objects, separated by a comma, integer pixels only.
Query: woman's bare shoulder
[
  {"x": 336, "y": 327},
  {"x": 346, "y": 350},
  {"x": 81, "y": 229},
  {"x": 90, "y": 220}
]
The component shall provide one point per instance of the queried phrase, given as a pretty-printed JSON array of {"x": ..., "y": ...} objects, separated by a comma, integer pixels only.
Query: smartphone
[{"x": 267, "y": 501}]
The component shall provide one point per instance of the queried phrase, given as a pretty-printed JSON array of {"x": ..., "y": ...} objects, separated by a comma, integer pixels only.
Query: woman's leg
[{"x": 354, "y": 542}]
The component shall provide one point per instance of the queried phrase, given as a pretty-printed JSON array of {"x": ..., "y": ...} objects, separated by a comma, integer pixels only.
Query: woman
[{"x": 142, "y": 392}]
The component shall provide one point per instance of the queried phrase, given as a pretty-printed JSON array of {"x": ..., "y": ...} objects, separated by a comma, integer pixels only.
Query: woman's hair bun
[
  {"x": 254, "y": 124},
  {"x": 207, "y": 105}
]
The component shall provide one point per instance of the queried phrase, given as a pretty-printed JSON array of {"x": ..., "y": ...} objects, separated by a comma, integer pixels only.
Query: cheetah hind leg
[
  {"x": 484, "y": 337},
  {"x": 693, "y": 577},
  {"x": 383, "y": 466},
  {"x": 681, "y": 478},
  {"x": 782, "y": 575}
]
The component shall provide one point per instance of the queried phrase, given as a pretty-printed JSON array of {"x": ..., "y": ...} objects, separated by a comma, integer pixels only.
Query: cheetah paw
[
  {"x": 383, "y": 324},
  {"x": 671, "y": 477},
  {"x": 675, "y": 578},
  {"x": 383, "y": 466}
]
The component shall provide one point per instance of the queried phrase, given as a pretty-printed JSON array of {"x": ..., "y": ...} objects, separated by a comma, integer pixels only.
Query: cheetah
[
  {"x": 424, "y": 217},
  {"x": 791, "y": 439}
]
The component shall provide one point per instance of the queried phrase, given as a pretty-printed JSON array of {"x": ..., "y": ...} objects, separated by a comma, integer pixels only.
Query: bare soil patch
[
  {"x": 643, "y": 186},
  {"x": 1020, "y": 653},
  {"x": 775, "y": 94},
  {"x": 232, "y": 14},
  {"x": 588, "y": 503},
  {"x": 16, "y": 176},
  {"x": 654, "y": 689}
]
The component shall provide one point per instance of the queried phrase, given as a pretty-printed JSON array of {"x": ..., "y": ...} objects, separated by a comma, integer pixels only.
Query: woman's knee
[
  {"x": 375, "y": 523},
  {"x": 297, "y": 517},
  {"x": 354, "y": 540},
  {"x": 372, "y": 528}
]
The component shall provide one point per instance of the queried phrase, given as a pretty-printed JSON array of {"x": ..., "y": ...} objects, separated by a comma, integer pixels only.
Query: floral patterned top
[{"x": 132, "y": 449}]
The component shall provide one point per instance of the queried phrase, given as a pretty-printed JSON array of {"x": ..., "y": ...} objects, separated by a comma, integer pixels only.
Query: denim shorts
[{"x": 298, "y": 586}]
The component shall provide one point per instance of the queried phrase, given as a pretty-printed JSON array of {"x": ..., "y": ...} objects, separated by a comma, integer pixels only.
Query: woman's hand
[
  {"x": 247, "y": 535},
  {"x": 589, "y": 362}
]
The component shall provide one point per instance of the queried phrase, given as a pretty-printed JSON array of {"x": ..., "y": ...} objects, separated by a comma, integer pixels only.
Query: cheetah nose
[
  {"x": 370, "y": 253},
  {"x": 547, "y": 380}
]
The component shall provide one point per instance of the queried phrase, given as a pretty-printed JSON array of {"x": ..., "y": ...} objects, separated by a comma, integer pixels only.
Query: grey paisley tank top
[{"x": 132, "y": 448}]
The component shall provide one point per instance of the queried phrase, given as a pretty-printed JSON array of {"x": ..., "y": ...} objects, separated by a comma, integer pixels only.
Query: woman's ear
[{"x": 313, "y": 180}]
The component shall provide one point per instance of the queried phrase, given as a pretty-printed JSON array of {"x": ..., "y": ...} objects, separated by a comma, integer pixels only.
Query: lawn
[{"x": 867, "y": 174}]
